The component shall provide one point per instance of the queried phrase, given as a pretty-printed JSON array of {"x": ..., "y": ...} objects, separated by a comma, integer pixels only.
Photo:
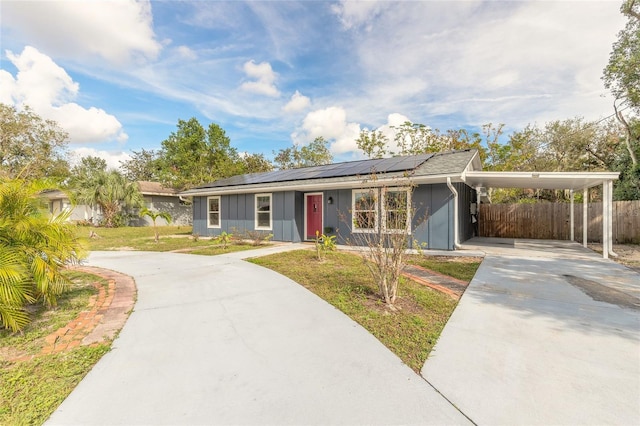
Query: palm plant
[
  {"x": 34, "y": 249},
  {"x": 111, "y": 191},
  {"x": 155, "y": 215}
]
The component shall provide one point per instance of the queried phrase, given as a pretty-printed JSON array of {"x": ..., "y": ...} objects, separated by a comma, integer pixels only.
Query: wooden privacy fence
[{"x": 552, "y": 221}]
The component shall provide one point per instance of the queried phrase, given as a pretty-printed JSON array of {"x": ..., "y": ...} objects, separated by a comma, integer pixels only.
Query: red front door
[{"x": 314, "y": 215}]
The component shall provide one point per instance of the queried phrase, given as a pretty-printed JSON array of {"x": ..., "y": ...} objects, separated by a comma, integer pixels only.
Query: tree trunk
[{"x": 627, "y": 140}]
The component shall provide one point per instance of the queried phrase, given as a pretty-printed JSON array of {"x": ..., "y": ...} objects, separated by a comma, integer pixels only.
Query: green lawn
[
  {"x": 31, "y": 390},
  {"x": 344, "y": 281},
  {"x": 142, "y": 238},
  {"x": 139, "y": 238}
]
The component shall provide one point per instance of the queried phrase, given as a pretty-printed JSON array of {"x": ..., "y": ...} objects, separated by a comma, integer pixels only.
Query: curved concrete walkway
[
  {"x": 547, "y": 333},
  {"x": 216, "y": 340}
]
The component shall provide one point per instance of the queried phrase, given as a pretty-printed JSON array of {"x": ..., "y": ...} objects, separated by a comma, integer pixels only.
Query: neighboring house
[
  {"x": 156, "y": 198},
  {"x": 161, "y": 199},
  {"x": 59, "y": 201},
  {"x": 294, "y": 204}
]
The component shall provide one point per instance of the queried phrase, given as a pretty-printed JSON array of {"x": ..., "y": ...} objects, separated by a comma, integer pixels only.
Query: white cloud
[
  {"x": 358, "y": 13},
  {"x": 330, "y": 123},
  {"x": 118, "y": 31},
  {"x": 265, "y": 77},
  {"x": 187, "y": 53},
  {"x": 512, "y": 62},
  {"x": 47, "y": 88},
  {"x": 298, "y": 103},
  {"x": 113, "y": 158}
]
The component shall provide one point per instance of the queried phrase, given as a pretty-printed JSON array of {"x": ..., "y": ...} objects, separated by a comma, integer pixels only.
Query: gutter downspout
[{"x": 456, "y": 238}]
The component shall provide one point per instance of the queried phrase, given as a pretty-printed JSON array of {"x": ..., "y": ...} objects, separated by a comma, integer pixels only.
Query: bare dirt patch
[{"x": 628, "y": 254}]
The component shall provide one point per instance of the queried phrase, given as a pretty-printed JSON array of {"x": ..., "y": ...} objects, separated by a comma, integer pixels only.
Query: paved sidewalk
[
  {"x": 546, "y": 333},
  {"x": 442, "y": 283},
  {"x": 217, "y": 340}
]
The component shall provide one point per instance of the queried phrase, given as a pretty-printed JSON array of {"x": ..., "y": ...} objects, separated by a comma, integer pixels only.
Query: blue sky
[{"x": 118, "y": 75}]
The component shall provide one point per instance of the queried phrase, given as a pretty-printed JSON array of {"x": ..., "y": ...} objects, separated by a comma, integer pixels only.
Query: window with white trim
[
  {"x": 365, "y": 210},
  {"x": 396, "y": 210},
  {"x": 263, "y": 211},
  {"x": 213, "y": 212}
]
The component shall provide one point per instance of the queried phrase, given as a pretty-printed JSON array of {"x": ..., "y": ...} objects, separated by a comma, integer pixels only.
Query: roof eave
[{"x": 317, "y": 186}]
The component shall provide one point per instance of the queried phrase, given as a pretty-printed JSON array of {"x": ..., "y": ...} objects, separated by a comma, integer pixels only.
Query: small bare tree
[{"x": 381, "y": 225}]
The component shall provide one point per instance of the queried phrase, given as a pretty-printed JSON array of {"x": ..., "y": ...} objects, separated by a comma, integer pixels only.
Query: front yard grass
[
  {"x": 31, "y": 390},
  {"x": 343, "y": 280},
  {"x": 139, "y": 238},
  {"x": 172, "y": 238}
]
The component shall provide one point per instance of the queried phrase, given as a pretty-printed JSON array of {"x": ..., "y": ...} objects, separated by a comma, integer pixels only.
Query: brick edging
[{"x": 104, "y": 317}]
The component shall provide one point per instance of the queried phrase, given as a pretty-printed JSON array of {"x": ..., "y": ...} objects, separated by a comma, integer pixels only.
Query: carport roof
[{"x": 538, "y": 180}]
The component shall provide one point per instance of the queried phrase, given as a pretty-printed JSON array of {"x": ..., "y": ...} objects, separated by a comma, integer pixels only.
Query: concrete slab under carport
[{"x": 528, "y": 344}]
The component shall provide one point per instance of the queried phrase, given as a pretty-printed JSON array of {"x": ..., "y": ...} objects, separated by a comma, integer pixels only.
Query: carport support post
[
  {"x": 585, "y": 216},
  {"x": 606, "y": 201},
  {"x": 572, "y": 219},
  {"x": 610, "y": 220}
]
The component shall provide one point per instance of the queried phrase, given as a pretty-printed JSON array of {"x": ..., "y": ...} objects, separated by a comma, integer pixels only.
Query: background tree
[
  {"x": 415, "y": 138},
  {"x": 34, "y": 249},
  {"x": 621, "y": 76},
  {"x": 143, "y": 165},
  {"x": 30, "y": 147},
  {"x": 373, "y": 143},
  {"x": 317, "y": 153},
  {"x": 112, "y": 192},
  {"x": 621, "y": 73},
  {"x": 256, "y": 163},
  {"x": 192, "y": 155}
]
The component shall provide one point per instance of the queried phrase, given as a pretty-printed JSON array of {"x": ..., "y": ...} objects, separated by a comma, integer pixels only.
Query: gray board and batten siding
[
  {"x": 336, "y": 182},
  {"x": 435, "y": 202}
]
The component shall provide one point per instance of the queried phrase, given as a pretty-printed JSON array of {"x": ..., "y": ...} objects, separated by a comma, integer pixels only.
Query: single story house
[
  {"x": 356, "y": 197},
  {"x": 162, "y": 199},
  {"x": 347, "y": 199},
  {"x": 59, "y": 201},
  {"x": 156, "y": 198}
]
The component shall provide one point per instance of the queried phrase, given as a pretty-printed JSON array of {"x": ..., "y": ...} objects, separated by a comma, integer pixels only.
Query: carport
[{"x": 573, "y": 181}]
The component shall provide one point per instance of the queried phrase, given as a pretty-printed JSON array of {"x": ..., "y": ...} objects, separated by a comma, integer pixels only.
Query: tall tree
[
  {"x": 34, "y": 249},
  {"x": 143, "y": 165},
  {"x": 414, "y": 138},
  {"x": 192, "y": 155},
  {"x": 373, "y": 143},
  {"x": 621, "y": 74},
  {"x": 256, "y": 163},
  {"x": 316, "y": 153},
  {"x": 30, "y": 147}
]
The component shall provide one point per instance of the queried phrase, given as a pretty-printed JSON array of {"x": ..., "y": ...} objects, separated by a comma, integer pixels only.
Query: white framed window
[
  {"x": 396, "y": 210},
  {"x": 365, "y": 210},
  {"x": 263, "y": 216},
  {"x": 213, "y": 212}
]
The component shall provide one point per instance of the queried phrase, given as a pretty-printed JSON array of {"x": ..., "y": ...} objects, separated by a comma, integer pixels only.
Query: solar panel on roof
[{"x": 352, "y": 168}]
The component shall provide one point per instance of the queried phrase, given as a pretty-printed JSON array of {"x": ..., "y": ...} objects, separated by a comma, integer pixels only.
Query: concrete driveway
[
  {"x": 216, "y": 340},
  {"x": 546, "y": 333}
]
